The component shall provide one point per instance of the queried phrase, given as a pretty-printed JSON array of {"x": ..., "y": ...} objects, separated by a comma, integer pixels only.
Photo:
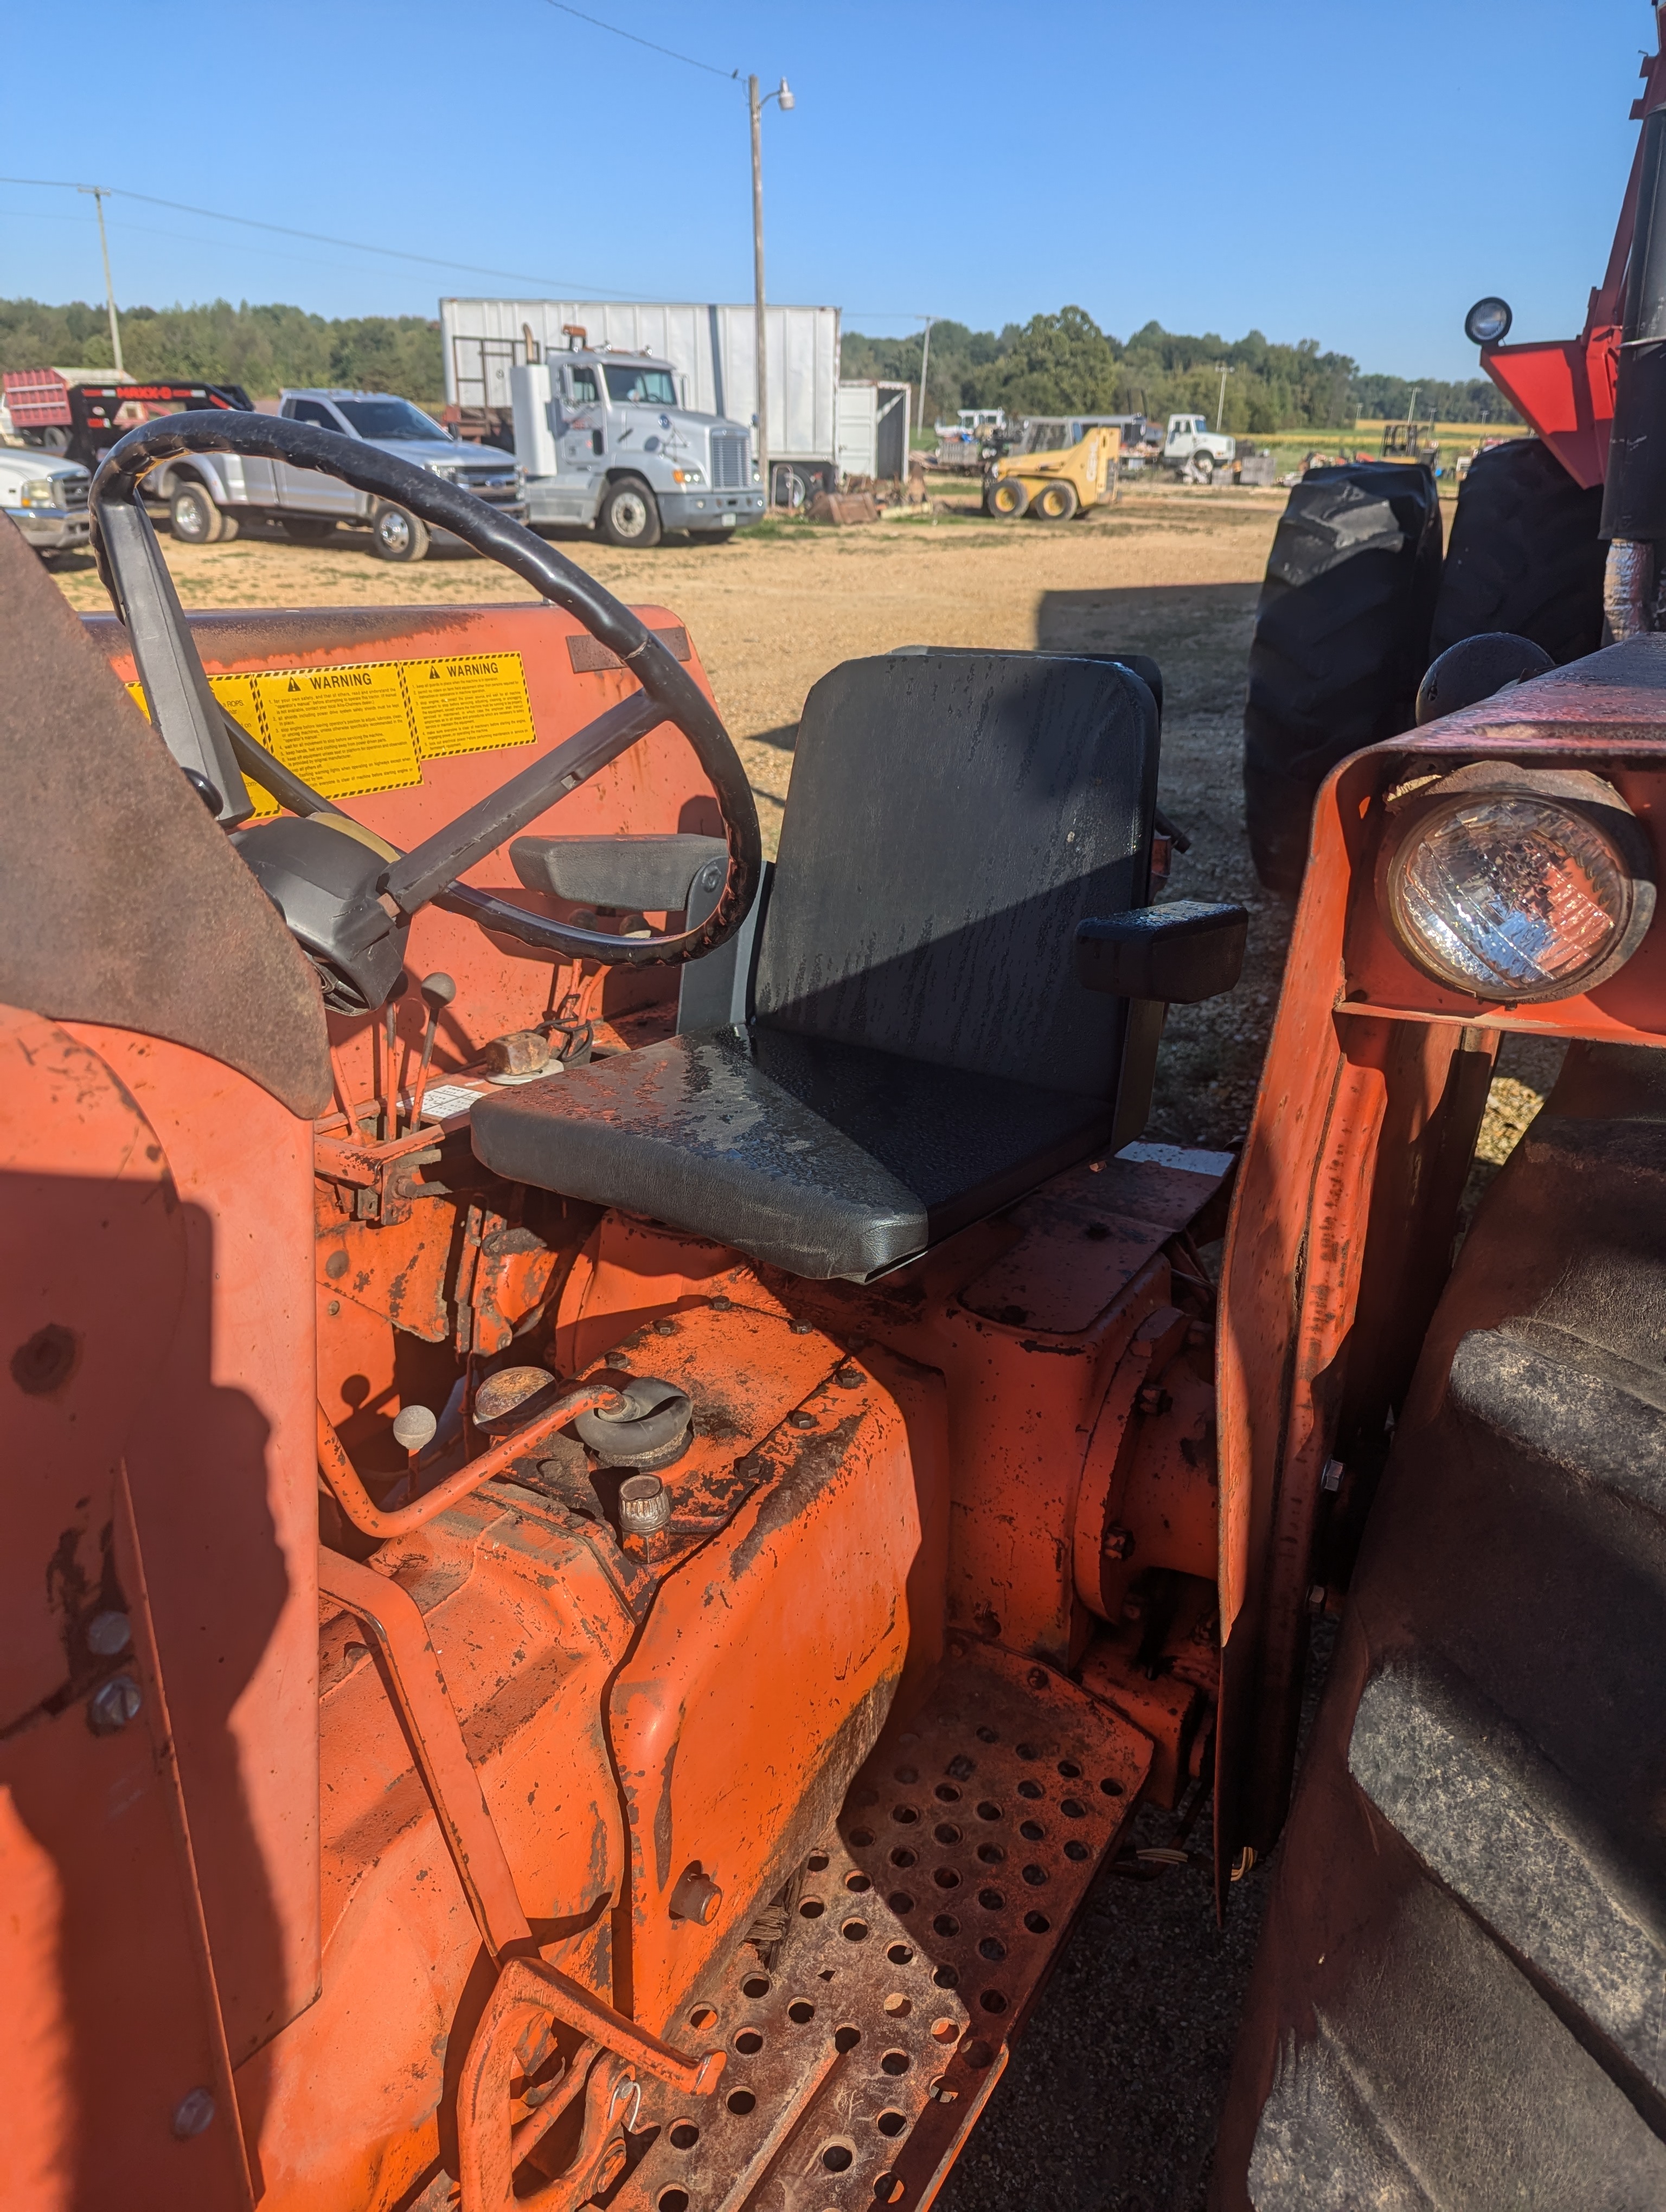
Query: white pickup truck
[
  {"x": 206, "y": 494},
  {"x": 45, "y": 496},
  {"x": 1193, "y": 448}
]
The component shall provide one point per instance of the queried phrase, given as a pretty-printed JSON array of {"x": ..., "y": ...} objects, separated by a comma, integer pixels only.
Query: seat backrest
[{"x": 952, "y": 817}]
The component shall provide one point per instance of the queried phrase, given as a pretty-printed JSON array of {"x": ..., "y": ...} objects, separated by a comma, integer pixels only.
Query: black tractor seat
[{"x": 922, "y": 1052}]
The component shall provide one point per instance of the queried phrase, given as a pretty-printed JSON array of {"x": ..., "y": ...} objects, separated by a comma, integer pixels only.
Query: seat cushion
[{"x": 827, "y": 1159}]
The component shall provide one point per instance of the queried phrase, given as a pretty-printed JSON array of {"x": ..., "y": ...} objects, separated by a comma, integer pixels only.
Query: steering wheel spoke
[{"x": 350, "y": 913}]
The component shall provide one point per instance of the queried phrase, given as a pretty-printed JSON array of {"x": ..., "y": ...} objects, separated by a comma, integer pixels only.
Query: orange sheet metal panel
[
  {"x": 762, "y": 1679},
  {"x": 225, "y": 1492},
  {"x": 113, "y": 2051}
]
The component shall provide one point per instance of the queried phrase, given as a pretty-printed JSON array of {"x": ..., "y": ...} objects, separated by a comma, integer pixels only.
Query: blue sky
[{"x": 1355, "y": 171}]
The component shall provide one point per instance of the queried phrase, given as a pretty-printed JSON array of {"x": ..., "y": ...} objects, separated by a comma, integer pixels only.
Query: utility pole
[
  {"x": 756, "y": 107},
  {"x": 1220, "y": 405},
  {"x": 925, "y": 364},
  {"x": 98, "y": 192}
]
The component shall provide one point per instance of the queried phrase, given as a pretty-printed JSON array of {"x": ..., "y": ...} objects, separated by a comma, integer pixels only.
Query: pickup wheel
[
  {"x": 628, "y": 513},
  {"x": 1055, "y": 502},
  {"x": 308, "y": 529},
  {"x": 397, "y": 535},
  {"x": 192, "y": 514}
]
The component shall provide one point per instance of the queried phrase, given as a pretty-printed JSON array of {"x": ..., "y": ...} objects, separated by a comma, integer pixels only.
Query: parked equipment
[
  {"x": 1053, "y": 482},
  {"x": 207, "y": 495},
  {"x": 968, "y": 444},
  {"x": 83, "y": 415},
  {"x": 604, "y": 441},
  {"x": 1194, "y": 451},
  {"x": 1412, "y": 440},
  {"x": 711, "y": 350}
]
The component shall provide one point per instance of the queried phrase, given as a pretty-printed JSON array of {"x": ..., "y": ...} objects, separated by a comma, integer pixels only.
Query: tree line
[
  {"x": 1065, "y": 364},
  {"x": 262, "y": 349},
  {"x": 1054, "y": 364}
]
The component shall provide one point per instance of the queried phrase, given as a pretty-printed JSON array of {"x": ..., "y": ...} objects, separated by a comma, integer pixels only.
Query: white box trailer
[
  {"x": 710, "y": 345},
  {"x": 874, "y": 429}
]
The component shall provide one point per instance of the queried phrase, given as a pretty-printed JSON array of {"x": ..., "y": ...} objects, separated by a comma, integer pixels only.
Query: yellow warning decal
[
  {"x": 476, "y": 703},
  {"x": 351, "y": 730},
  {"x": 345, "y": 731}
]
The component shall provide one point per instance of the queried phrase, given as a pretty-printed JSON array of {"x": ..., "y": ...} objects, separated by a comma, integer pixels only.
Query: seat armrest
[{"x": 1179, "y": 953}]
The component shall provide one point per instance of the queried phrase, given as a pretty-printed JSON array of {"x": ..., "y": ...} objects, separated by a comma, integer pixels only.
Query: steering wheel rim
[{"x": 130, "y": 567}]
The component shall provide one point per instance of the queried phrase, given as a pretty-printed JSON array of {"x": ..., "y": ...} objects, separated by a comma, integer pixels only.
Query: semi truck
[
  {"x": 604, "y": 440},
  {"x": 710, "y": 350}
]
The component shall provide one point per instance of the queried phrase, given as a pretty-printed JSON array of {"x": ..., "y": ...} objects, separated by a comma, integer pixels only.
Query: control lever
[
  {"x": 438, "y": 992},
  {"x": 391, "y": 1046}
]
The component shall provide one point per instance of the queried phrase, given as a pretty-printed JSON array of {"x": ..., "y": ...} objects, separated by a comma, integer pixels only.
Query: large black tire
[
  {"x": 1524, "y": 555},
  {"x": 1458, "y": 2001},
  {"x": 628, "y": 513},
  {"x": 1341, "y": 641}
]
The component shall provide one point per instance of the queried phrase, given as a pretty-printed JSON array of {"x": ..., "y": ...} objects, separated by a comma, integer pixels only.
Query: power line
[
  {"x": 670, "y": 52},
  {"x": 569, "y": 284}
]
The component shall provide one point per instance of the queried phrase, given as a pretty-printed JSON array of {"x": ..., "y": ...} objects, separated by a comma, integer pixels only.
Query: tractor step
[{"x": 865, "y": 2042}]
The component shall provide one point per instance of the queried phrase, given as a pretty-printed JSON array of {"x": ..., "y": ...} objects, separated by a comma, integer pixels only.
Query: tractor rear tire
[
  {"x": 1055, "y": 502},
  {"x": 1525, "y": 555},
  {"x": 1341, "y": 643},
  {"x": 1006, "y": 498},
  {"x": 1456, "y": 2001}
]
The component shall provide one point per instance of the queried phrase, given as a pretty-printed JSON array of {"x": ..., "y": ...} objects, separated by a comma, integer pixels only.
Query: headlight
[
  {"x": 1487, "y": 322},
  {"x": 1516, "y": 884},
  {"x": 40, "y": 491},
  {"x": 688, "y": 476},
  {"x": 446, "y": 469}
]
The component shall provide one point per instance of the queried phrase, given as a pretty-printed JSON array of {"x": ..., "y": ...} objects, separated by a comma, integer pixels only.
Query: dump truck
[
  {"x": 1053, "y": 480},
  {"x": 626, "y": 1469}
]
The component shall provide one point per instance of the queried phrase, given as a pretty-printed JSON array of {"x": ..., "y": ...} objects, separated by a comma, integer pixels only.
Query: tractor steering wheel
[{"x": 349, "y": 897}]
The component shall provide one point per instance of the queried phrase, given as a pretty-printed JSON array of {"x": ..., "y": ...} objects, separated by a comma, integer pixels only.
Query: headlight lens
[
  {"x": 688, "y": 476},
  {"x": 1512, "y": 896},
  {"x": 40, "y": 491},
  {"x": 1487, "y": 322}
]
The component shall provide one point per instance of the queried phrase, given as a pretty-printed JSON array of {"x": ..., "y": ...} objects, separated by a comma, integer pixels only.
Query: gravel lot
[{"x": 1109, "y": 2104}]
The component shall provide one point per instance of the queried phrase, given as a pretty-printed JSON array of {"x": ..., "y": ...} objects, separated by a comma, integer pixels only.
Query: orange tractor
[{"x": 623, "y": 1466}]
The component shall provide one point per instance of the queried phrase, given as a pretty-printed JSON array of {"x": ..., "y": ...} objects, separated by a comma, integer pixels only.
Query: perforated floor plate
[{"x": 921, "y": 1937}]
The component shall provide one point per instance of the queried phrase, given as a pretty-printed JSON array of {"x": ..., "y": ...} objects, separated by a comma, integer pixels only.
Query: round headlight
[
  {"x": 1516, "y": 893},
  {"x": 1487, "y": 322}
]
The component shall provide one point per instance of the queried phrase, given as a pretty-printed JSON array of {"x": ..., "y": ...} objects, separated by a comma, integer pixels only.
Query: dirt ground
[{"x": 1110, "y": 2103}]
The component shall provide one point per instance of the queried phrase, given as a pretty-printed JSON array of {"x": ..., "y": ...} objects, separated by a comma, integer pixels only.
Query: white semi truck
[
  {"x": 709, "y": 350},
  {"x": 603, "y": 440}
]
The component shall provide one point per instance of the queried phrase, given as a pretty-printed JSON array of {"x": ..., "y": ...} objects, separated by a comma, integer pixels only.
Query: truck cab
[
  {"x": 1193, "y": 448},
  {"x": 44, "y": 495},
  {"x": 605, "y": 441}
]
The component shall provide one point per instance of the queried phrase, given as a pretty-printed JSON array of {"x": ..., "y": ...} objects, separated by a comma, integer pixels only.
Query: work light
[
  {"x": 1487, "y": 322},
  {"x": 1516, "y": 884}
]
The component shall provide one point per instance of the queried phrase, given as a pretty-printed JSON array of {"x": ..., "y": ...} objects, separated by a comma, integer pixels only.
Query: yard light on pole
[
  {"x": 783, "y": 98},
  {"x": 98, "y": 192}
]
